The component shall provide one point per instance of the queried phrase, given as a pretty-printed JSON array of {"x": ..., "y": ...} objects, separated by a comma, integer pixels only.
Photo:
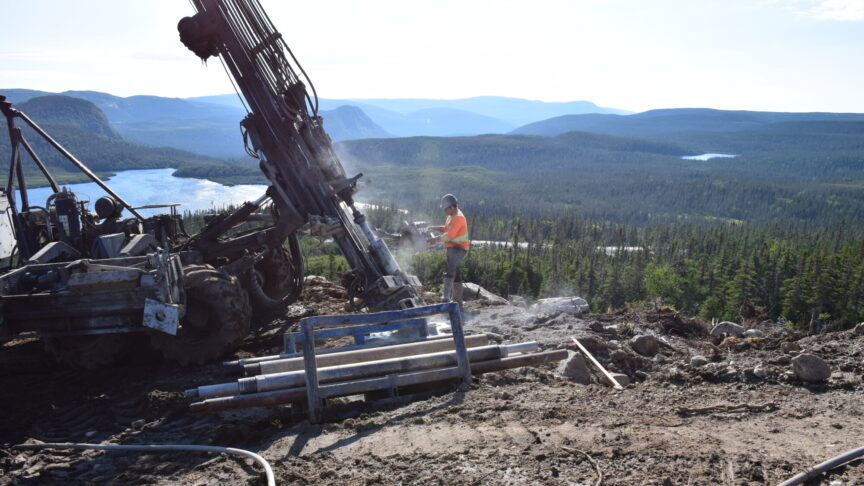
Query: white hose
[
  {"x": 825, "y": 466},
  {"x": 268, "y": 471}
]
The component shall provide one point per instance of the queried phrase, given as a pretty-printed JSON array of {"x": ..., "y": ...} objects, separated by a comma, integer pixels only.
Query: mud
[{"x": 720, "y": 423}]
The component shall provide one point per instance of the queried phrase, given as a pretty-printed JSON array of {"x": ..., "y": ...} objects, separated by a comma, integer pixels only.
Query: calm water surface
[
  {"x": 158, "y": 186},
  {"x": 704, "y": 157}
]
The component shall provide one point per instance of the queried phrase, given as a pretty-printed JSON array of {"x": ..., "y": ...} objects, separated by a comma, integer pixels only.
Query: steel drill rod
[
  {"x": 362, "y": 355},
  {"x": 356, "y": 387},
  {"x": 240, "y": 363},
  {"x": 290, "y": 379}
]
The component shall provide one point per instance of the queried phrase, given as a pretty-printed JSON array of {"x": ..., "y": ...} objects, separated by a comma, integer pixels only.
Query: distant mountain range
[
  {"x": 788, "y": 166},
  {"x": 209, "y": 125},
  {"x": 408, "y": 117},
  {"x": 671, "y": 122}
]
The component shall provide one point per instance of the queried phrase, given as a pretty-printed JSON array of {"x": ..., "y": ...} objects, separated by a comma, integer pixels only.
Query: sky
[{"x": 773, "y": 55}]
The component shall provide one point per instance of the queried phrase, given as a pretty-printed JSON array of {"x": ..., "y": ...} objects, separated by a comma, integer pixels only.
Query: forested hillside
[
  {"x": 68, "y": 111},
  {"x": 83, "y": 130},
  {"x": 670, "y": 122},
  {"x": 773, "y": 233},
  {"x": 778, "y": 175}
]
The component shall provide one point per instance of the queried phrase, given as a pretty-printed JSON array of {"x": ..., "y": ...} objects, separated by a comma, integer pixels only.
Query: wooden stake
[{"x": 584, "y": 351}]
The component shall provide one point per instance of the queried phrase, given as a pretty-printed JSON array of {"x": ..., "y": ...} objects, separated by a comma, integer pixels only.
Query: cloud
[
  {"x": 849, "y": 10},
  {"x": 840, "y": 10}
]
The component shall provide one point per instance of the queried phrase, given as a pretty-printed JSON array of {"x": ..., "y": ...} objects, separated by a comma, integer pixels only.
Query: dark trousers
[{"x": 455, "y": 255}]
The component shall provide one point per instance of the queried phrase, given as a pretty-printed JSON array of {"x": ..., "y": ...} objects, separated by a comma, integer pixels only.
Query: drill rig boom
[{"x": 308, "y": 182}]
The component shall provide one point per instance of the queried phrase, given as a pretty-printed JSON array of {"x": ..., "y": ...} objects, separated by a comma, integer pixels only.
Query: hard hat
[{"x": 448, "y": 200}]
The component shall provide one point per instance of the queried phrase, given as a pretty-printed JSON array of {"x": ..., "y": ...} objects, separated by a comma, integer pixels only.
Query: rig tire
[
  {"x": 216, "y": 321},
  {"x": 270, "y": 282}
]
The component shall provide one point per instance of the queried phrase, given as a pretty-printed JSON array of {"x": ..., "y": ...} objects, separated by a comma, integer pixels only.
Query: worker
[{"x": 455, "y": 239}]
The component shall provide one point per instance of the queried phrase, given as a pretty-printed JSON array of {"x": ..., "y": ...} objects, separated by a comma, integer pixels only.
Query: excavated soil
[{"x": 741, "y": 418}]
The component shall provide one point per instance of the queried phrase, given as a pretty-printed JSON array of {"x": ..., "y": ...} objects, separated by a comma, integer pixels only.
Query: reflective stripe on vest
[{"x": 463, "y": 238}]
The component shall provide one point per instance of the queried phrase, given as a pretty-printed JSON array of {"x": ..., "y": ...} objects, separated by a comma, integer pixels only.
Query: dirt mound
[{"x": 700, "y": 410}]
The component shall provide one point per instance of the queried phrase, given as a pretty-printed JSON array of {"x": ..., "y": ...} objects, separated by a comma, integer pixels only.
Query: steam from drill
[{"x": 284, "y": 132}]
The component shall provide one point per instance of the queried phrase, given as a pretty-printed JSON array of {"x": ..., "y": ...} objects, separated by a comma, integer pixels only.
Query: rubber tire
[
  {"x": 87, "y": 352},
  {"x": 216, "y": 321},
  {"x": 270, "y": 283}
]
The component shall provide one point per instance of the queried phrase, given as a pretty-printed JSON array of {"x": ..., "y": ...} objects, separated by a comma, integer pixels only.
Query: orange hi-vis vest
[{"x": 456, "y": 231}]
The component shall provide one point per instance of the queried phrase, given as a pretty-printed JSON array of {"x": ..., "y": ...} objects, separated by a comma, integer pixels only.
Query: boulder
[
  {"x": 859, "y": 329},
  {"x": 472, "y": 291},
  {"x": 760, "y": 372},
  {"x": 577, "y": 370},
  {"x": 621, "y": 378},
  {"x": 619, "y": 356},
  {"x": 570, "y": 305},
  {"x": 727, "y": 328},
  {"x": 789, "y": 347},
  {"x": 810, "y": 368},
  {"x": 753, "y": 333},
  {"x": 698, "y": 361},
  {"x": 646, "y": 345}
]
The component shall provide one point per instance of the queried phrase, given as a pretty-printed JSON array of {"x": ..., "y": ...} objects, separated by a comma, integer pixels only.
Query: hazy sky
[{"x": 779, "y": 55}]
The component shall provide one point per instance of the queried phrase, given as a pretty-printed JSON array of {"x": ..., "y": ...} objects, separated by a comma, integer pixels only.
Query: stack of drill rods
[
  {"x": 298, "y": 394},
  {"x": 239, "y": 364},
  {"x": 329, "y": 374},
  {"x": 361, "y": 355}
]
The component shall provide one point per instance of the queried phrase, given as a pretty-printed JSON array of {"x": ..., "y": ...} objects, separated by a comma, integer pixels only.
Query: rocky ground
[{"x": 699, "y": 409}]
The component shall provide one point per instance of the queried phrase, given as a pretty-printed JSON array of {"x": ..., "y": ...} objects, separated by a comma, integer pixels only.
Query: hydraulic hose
[
  {"x": 825, "y": 466},
  {"x": 268, "y": 471}
]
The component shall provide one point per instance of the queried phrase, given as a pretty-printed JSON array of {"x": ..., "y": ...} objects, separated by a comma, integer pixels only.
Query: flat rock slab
[
  {"x": 472, "y": 291},
  {"x": 727, "y": 328},
  {"x": 570, "y": 305}
]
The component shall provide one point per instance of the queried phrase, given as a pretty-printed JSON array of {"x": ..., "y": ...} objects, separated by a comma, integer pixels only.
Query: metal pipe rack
[{"x": 318, "y": 374}]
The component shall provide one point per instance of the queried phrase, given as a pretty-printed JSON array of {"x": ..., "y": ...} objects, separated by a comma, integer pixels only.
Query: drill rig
[
  {"x": 284, "y": 132},
  {"x": 89, "y": 284}
]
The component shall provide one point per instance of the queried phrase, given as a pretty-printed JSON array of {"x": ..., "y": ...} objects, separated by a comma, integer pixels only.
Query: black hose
[
  {"x": 825, "y": 466},
  {"x": 268, "y": 471}
]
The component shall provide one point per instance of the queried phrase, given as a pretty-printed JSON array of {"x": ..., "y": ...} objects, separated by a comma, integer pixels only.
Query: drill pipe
[
  {"x": 362, "y": 355},
  {"x": 290, "y": 379},
  {"x": 236, "y": 366},
  {"x": 298, "y": 394}
]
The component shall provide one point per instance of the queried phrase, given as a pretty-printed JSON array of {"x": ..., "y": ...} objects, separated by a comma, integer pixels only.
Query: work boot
[
  {"x": 447, "y": 289},
  {"x": 457, "y": 292}
]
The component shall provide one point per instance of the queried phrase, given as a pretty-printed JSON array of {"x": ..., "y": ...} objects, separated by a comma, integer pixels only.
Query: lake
[
  {"x": 704, "y": 157},
  {"x": 158, "y": 186}
]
